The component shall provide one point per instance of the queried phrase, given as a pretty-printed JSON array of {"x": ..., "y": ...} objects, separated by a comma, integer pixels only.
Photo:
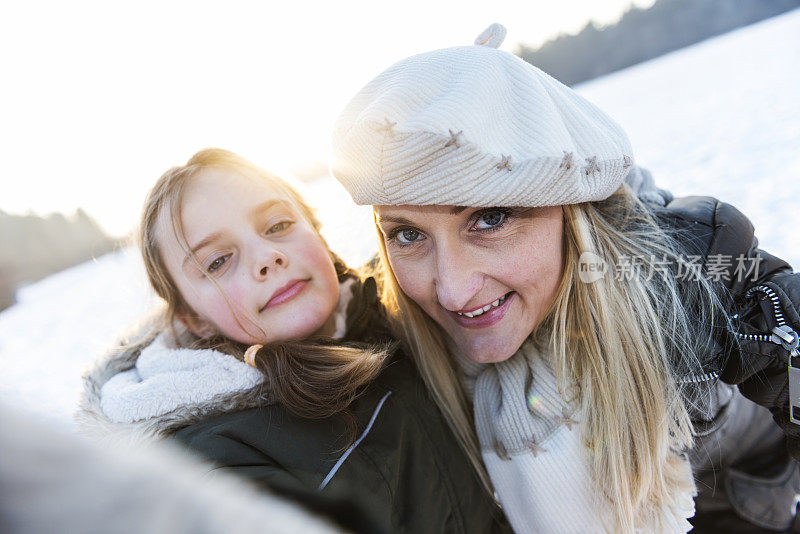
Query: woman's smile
[{"x": 484, "y": 316}]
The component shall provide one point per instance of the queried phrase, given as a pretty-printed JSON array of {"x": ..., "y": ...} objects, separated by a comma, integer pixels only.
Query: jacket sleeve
[
  {"x": 759, "y": 361},
  {"x": 765, "y": 294},
  {"x": 233, "y": 455},
  {"x": 230, "y": 454}
]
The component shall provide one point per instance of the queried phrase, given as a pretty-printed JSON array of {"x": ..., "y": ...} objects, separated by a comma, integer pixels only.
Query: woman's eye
[
  {"x": 218, "y": 263},
  {"x": 406, "y": 236},
  {"x": 279, "y": 227},
  {"x": 489, "y": 220}
]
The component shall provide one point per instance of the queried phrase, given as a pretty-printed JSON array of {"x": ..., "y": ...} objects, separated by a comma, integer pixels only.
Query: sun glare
[{"x": 109, "y": 97}]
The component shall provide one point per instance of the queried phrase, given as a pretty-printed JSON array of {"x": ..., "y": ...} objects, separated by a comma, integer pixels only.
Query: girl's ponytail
[{"x": 316, "y": 379}]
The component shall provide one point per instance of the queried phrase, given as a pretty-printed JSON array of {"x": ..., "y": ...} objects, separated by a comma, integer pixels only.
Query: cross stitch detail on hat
[{"x": 475, "y": 126}]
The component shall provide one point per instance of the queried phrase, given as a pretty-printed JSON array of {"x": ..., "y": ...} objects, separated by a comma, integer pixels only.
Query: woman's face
[{"x": 485, "y": 275}]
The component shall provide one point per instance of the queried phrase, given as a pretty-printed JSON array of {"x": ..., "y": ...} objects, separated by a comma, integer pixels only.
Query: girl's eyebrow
[
  {"x": 268, "y": 205},
  {"x": 255, "y": 212},
  {"x": 203, "y": 243}
]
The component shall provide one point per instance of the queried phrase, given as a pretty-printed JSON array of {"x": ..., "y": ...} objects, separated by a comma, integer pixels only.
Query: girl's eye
[
  {"x": 405, "y": 236},
  {"x": 490, "y": 220},
  {"x": 217, "y": 264},
  {"x": 279, "y": 227}
]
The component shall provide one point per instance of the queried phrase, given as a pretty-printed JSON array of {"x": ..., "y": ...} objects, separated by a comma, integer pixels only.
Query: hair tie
[{"x": 250, "y": 354}]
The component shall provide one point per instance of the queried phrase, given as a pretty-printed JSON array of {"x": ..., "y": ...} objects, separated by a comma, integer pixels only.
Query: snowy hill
[{"x": 720, "y": 118}]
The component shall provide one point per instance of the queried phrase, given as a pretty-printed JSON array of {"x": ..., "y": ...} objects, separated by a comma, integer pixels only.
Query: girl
[
  {"x": 271, "y": 360},
  {"x": 564, "y": 319}
]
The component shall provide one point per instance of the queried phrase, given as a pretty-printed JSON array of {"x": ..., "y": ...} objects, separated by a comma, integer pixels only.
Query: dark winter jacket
[
  {"x": 741, "y": 459},
  {"x": 405, "y": 471}
]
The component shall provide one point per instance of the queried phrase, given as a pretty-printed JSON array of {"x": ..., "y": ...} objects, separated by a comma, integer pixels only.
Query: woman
[{"x": 569, "y": 316}]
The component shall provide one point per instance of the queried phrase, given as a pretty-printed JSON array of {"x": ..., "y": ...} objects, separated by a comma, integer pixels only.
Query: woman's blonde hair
[
  {"x": 311, "y": 378},
  {"x": 631, "y": 344}
]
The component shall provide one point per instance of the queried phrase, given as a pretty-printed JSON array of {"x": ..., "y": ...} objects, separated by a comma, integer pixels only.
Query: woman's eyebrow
[
  {"x": 455, "y": 210},
  {"x": 398, "y": 220}
]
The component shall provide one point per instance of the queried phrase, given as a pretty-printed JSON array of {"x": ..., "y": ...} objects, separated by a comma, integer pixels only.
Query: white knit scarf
[{"x": 535, "y": 454}]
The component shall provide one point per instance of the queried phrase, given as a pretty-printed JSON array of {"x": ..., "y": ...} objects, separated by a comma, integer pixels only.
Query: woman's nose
[
  {"x": 269, "y": 260},
  {"x": 457, "y": 281}
]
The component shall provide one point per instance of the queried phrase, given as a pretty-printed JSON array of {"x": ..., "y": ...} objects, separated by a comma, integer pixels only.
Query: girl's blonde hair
[
  {"x": 311, "y": 378},
  {"x": 631, "y": 344}
]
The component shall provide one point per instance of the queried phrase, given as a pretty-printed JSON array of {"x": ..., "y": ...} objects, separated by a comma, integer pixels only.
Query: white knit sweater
[{"x": 535, "y": 454}]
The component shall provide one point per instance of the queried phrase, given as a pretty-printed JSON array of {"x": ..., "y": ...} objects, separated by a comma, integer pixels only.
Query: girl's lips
[
  {"x": 486, "y": 319},
  {"x": 286, "y": 293}
]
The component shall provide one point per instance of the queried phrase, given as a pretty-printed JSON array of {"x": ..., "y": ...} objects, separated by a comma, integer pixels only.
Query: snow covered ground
[{"x": 720, "y": 118}]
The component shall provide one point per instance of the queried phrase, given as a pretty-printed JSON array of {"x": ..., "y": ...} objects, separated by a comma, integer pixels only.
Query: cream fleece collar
[
  {"x": 166, "y": 378},
  {"x": 156, "y": 385}
]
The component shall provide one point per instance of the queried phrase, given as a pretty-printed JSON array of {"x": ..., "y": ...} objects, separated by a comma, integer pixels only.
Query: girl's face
[
  {"x": 485, "y": 275},
  {"x": 257, "y": 270}
]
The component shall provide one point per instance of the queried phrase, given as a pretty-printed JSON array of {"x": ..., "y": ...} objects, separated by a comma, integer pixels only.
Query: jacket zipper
[
  {"x": 696, "y": 379},
  {"x": 784, "y": 335}
]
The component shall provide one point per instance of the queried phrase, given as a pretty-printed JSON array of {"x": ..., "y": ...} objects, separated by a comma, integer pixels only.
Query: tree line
[
  {"x": 32, "y": 247},
  {"x": 643, "y": 34}
]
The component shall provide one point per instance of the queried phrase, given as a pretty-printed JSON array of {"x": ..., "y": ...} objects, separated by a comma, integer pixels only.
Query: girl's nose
[
  {"x": 270, "y": 260},
  {"x": 456, "y": 282}
]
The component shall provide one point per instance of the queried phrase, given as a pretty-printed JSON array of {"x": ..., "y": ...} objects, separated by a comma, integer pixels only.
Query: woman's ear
[{"x": 196, "y": 325}]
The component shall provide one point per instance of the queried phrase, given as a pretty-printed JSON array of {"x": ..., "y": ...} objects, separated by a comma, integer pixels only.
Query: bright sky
[{"x": 98, "y": 99}]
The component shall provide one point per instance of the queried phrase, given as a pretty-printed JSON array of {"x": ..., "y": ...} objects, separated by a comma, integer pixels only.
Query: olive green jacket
[{"x": 403, "y": 472}]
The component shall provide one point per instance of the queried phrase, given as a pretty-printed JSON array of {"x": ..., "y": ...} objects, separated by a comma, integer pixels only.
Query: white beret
[{"x": 475, "y": 126}]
